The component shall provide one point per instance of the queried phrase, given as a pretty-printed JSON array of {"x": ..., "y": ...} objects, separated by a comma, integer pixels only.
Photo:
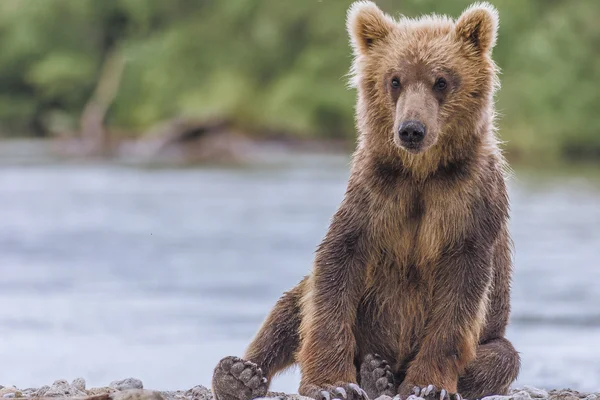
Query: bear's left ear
[
  {"x": 367, "y": 25},
  {"x": 478, "y": 25}
]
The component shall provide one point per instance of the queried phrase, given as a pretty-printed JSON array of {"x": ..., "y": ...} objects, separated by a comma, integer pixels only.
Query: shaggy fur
[{"x": 413, "y": 277}]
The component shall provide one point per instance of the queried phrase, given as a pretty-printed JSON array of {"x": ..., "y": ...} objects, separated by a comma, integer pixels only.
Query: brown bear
[{"x": 410, "y": 291}]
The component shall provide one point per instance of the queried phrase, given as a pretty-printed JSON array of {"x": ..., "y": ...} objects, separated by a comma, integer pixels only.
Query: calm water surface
[{"x": 109, "y": 272}]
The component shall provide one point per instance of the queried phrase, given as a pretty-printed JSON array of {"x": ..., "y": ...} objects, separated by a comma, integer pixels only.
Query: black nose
[{"x": 412, "y": 132}]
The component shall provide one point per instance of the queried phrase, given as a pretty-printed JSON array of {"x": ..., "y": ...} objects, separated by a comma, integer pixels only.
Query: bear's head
[{"x": 425, "y": 86}]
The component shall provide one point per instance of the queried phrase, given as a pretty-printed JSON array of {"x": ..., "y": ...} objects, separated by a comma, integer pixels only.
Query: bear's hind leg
[
  {"x": 492, "y": 372},
  {"x": 276, "y": 343},
  {"x": 271, "y": 351},
  {"x": 237, "y": 379}
]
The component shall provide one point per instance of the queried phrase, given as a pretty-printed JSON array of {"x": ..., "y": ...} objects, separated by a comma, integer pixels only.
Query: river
[{"x": 113, "y": 271}]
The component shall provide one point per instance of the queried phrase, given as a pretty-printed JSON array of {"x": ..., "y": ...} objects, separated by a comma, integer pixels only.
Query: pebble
[
  {"x": 79, "y": 384},
  {"x": 62, "y": 388},
  {"x": 535, "y": 392},
  {"x": 127, "y": 384},
  {"x": 10, "y": 390},
  {"x": 41, "y": 392},
  {"x": 29, "y": 392},
  {"x": 200, "y": 393},
  {"x": 137, "y": 394},
  {"x": 133, "y": 389},
  {"x": 497, "y": 398},
  {"x": 521, "y": 395}
]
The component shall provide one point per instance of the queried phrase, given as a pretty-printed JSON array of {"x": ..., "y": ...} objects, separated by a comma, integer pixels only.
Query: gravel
[{"x": 133, "y": 389}]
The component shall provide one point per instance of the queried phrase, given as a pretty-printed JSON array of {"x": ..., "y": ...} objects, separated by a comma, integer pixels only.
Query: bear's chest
[{"x": 415, "y": 226}]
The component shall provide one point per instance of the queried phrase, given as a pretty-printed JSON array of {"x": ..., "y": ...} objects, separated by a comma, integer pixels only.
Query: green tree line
[{"x": 275, "y": 66}]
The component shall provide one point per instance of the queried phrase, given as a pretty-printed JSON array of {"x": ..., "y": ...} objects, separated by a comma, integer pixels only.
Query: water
[{"x": 109, "y": 272}]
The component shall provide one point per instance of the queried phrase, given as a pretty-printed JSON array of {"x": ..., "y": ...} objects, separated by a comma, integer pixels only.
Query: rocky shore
[{"x": 133, "y": 389}]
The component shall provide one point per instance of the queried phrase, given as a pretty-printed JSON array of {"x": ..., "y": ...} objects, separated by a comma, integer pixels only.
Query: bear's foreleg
[
  {"x": 459, "y": 303},
  {"x": 330, "y": 304}
]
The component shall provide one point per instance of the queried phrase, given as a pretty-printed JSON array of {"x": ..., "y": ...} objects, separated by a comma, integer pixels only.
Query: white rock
[
  {"x": 497, "y": 398},
  {"x": 137, "y": 394},
  {"x": 61, "y": 388},
  {"x": 41, "y": 392},
  {"x": 29, "y": 392},
  {"x": 535, "y": 392},
  {"x": 521, "y": 395},
  {"x": 200, "y": 393},
  {"x": 127, "y": 384},
  {"x": 7, "y": 389},
  {"x": 79, "y": 384}
]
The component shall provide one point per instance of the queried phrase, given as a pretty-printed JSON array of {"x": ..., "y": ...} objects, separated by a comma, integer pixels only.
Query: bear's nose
[{"x": 412, "y": 132}]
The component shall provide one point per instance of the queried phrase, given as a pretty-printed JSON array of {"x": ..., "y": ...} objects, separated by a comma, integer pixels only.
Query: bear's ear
[
  {"x": 366, "y": 25},
  {"x": 478, "y": 25}
]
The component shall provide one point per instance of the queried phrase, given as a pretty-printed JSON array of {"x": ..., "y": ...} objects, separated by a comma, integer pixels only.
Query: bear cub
[{"x": 410, "y": 290}]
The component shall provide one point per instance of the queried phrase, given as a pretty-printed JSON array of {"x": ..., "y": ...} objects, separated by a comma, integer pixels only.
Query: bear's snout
[{"x": 411, "y": 134}]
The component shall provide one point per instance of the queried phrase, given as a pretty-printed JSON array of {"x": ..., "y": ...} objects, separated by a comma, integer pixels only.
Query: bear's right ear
[{"x": 366, "y": 25}]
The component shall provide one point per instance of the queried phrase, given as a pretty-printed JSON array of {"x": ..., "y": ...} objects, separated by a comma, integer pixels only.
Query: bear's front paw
[
  {"x": 376, "y": 377},
  {"x": 429, "y": 392},
  {"x": 237, "y": 379},
  {"x": 340, "y": 391}
]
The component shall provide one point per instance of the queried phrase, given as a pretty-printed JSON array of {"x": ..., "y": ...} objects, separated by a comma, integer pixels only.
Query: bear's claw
[
  {"x": 430, "y": 392},
  {"x": 340, "y": 391}
]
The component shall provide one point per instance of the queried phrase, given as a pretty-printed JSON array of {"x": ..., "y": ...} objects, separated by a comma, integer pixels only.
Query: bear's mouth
[{"x": 413, "y": 148}]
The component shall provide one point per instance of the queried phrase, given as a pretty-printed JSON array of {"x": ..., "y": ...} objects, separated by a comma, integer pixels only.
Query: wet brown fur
[{"x": 416, "y": 264}]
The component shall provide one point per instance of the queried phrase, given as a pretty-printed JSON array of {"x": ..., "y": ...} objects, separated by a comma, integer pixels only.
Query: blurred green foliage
[{"x": 274, "y": 66}]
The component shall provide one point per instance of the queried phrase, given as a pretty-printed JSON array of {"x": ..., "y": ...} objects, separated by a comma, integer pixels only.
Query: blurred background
[{"x": 167, "y": 169}]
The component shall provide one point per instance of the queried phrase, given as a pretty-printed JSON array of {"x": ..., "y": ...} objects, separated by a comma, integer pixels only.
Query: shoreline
[
  {"x": 133, "y": 389},
  {"x": 221, "y": 149}
]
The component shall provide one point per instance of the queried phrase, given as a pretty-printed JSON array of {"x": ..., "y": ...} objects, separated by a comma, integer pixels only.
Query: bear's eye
[
  {"x": 395, "y": 83},
  {"x": 440, "y": 84}
]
